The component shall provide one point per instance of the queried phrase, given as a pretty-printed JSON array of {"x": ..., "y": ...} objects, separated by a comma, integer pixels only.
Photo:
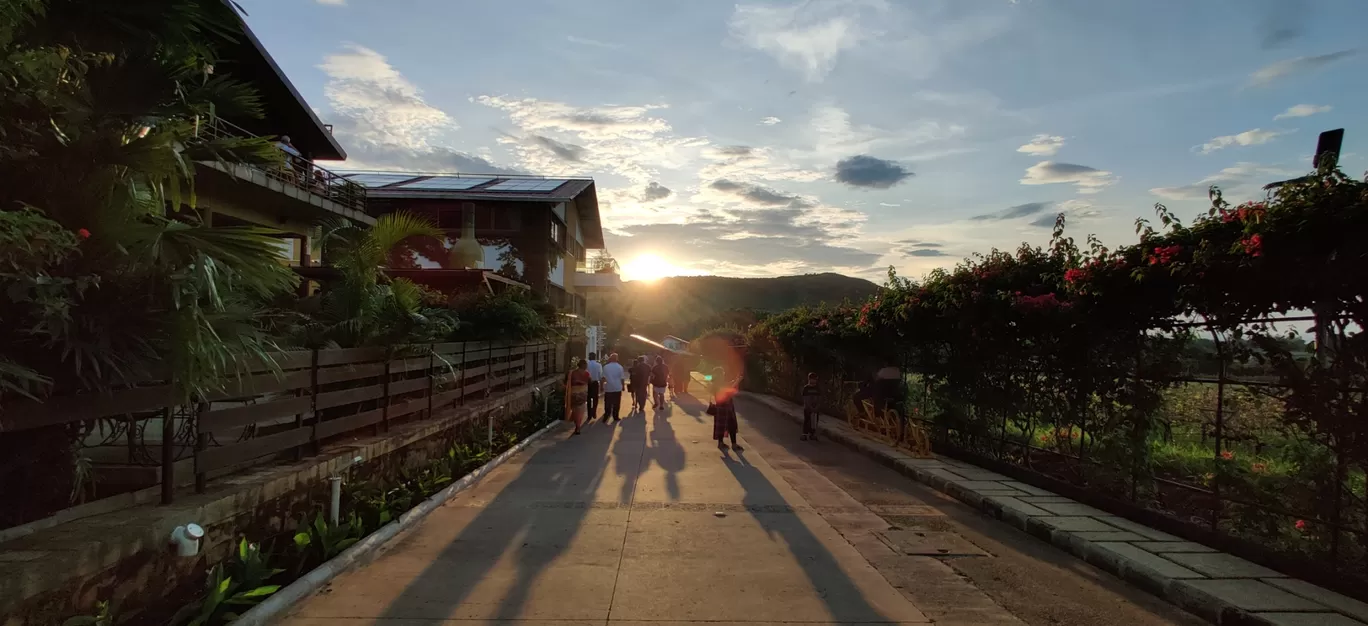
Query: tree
[
  {"x": 364, "y": 306},
  {"x": 603, "y": 263}
]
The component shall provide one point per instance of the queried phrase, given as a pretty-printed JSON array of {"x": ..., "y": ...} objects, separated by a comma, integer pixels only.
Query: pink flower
[
  {"x": 1301, "y": 525},
  {"x": 83, "y": 233},
  {"x": 1075, "y": 275},
  {"x": 1253, "y": 245}
]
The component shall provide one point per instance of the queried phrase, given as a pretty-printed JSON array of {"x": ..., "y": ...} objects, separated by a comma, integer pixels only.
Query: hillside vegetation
[{"x": 688, "y": 305}]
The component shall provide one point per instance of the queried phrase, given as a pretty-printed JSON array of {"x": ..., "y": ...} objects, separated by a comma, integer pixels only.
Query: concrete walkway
[{"x": 646, "y": 521}]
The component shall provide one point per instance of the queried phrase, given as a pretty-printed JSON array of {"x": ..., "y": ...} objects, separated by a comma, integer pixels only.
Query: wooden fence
[{"x": 290, "y": 406}]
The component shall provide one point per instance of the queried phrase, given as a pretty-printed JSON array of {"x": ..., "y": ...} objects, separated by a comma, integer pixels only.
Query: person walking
[
  {"x": 641, "y": 384},
  {"x": 578, "y": 384},
  {"x": 723, "y": 410},
  {"x": 595, "y": 381},
  {"x": 812, "y": 396},
  {"x": 660, "y": 379},
  {"x": 613, "y": 378}
]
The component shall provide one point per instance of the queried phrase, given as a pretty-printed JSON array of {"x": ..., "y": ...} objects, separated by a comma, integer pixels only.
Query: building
[
  {"x": 294, "y": 198},
  {"x": 532, "y": 230}
]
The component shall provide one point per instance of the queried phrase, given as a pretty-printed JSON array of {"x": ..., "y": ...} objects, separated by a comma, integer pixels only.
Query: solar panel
[
  {"x": 527, "y": 185},
  {"x": 446, "y": 183},
  {"x": 379, "y": 180}
]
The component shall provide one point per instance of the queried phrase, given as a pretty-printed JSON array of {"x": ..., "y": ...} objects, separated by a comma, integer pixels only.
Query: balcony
[
  {"x": 598, "y": 282},
  {"x": 297, "y": 190}
]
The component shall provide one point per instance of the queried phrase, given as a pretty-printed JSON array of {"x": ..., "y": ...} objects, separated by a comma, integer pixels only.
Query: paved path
[{"x": 646, "y": 522}]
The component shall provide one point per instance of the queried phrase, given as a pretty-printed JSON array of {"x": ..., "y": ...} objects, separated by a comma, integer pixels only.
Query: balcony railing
[{"x": 297, "y": 171}]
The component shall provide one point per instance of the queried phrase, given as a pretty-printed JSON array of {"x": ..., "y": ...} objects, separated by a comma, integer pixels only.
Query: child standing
[{"x": 812, "y": 396}]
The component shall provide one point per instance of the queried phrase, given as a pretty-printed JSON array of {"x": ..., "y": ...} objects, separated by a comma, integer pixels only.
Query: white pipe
[
  {"x": 186, "y": 539},
  {"x": 335, "y": 502}
]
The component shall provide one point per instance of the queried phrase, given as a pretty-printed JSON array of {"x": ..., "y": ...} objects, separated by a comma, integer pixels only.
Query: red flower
[
  {"x": 1165, "y": 255},
  {"x": 1301, "y": 525},
  {"x": 83, "y": 233},
  {"x": 1075, "y": 275},
  {"x": 1258, "y": 468},
  {"x": 1227, "y": 455},
  {"x": 1253, "y": 245}
]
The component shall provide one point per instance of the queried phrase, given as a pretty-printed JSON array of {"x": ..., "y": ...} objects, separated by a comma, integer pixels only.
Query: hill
[
  {"x": 662, "y": 298},
  {"x": 687, "y": 305}
]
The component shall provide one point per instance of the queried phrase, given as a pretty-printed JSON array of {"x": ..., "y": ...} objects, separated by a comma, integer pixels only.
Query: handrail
[
  {"x": 297, "y": 171},
  {"x": 350, "y": 172}
]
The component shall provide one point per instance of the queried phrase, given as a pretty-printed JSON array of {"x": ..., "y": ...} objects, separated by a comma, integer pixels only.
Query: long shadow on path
[
  {"x": 844, "y": 599},
  {"x": 526, "y": 527}
]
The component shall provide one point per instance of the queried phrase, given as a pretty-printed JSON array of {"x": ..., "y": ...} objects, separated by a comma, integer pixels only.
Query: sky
[{"x": 777, "y": 138}]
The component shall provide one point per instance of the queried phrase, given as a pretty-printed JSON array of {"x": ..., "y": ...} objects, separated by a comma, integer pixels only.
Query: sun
[{"x": 648, "y": 267}]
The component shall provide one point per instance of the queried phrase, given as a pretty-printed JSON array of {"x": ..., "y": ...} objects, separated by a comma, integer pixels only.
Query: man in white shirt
[
  {"x": 613, "y": 377},
  {"x": 595, "y": 377}
]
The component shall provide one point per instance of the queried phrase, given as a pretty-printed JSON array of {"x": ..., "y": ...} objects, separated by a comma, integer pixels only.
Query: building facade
[{"x": 535, "y": 231}]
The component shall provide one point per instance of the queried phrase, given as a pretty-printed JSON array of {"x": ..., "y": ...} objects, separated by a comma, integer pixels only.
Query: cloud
[
  {"x": 1073, "y": 211},
  {"x": 1043, "y": 145},
  {"x": 655, "y": 191},
  {"x": 754, "y": 242},
  {"x": 770, "y": 121},
  {"x": 1253, "y": 137},
  {"x": 1302, "y": 110},
  {"x": 333, "y": 3},
  {"x": 917, "y": 248},
  {"x": 1237, "y": 181},
  {"x": 757, "y": 194},
  {"x": 834, "y": 135},
  {"x": 807, "y": 37},
  {"x": 566, "y": 151},
  {"x": 1012, "y": 213},
  {"x": 385, "y": 123},
  {"x": 1266, "y": 75},
  {"x": 1284, "y": 22},
  {"x": 363, "y": 87},
  {"x": 1086, "y": 179},
  {"x": 867, "y": 171},
  {"x": 628, "y": 141}
]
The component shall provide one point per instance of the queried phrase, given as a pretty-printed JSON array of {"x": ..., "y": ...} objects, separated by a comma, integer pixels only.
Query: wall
[{"x": 130, "y": 563}]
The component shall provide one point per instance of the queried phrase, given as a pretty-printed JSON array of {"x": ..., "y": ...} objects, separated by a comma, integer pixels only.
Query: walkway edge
[
  {"x": 1177, "y": 591},
  {"x": 281, "y": 601}
]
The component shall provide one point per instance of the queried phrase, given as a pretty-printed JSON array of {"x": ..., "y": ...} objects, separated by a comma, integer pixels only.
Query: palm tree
[
  {"x": 364, "y": 306},
  {"x": 101, "y": 108},
  {"x": 99, "y": 122}
]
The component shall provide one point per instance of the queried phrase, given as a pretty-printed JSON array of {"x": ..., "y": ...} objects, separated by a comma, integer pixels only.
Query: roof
[
  {"x": 286, "y": 111},
  {"x": 490, "y": 187}
]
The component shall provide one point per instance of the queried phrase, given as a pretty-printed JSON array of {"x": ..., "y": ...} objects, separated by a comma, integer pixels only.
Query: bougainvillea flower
[
  {"x": 83, "y": 233},
  {"x": 1301, "y": 525}
]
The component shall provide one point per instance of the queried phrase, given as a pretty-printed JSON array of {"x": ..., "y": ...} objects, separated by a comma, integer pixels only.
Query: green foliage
[
  {"x": 514, "y": 315},
  {"x": 365, "y": 307},
  {"x": 321, "y": 540},
  {"x": 105, "y": 615},
  {"x": 231, "y": 589},
  {"x": 1071, "y": 348},
  {"x": 101, "y": 121}
]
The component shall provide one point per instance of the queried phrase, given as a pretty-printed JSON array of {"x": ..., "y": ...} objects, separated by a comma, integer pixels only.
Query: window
[{"x": 557, "y": 232}]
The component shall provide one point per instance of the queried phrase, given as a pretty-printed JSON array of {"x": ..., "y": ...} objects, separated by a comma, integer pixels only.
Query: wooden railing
[
  {"x": 290, "y": 406},
  {"x": 298, "y": 171}
]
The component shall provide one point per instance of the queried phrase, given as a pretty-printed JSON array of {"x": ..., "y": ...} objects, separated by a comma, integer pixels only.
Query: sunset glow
[{"x": 648, "y": 267}]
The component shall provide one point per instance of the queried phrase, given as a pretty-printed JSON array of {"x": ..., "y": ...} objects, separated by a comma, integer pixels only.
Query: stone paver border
[{"x": 1221, "y": 588}]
